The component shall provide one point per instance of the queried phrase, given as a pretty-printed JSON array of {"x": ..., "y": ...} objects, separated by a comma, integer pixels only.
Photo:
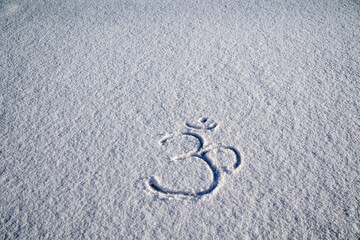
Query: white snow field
[{"x": 139, "y": 119}]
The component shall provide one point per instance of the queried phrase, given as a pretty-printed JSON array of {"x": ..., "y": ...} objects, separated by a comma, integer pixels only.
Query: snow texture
[{"x": 140, "y": 119}]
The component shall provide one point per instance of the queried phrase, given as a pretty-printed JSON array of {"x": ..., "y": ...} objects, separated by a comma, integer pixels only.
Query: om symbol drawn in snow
[{"x": 199, "y": 157}]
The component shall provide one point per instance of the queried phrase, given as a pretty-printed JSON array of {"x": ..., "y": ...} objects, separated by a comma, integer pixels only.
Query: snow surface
[{"x": 180, "y": 119}]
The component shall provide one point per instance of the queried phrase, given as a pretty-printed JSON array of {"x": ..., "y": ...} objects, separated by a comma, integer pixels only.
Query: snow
[{"x": 179, "y": 119}]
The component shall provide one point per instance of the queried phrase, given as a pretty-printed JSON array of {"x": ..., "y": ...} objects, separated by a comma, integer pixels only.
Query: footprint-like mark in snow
[{"x": 200, "y": 153}]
